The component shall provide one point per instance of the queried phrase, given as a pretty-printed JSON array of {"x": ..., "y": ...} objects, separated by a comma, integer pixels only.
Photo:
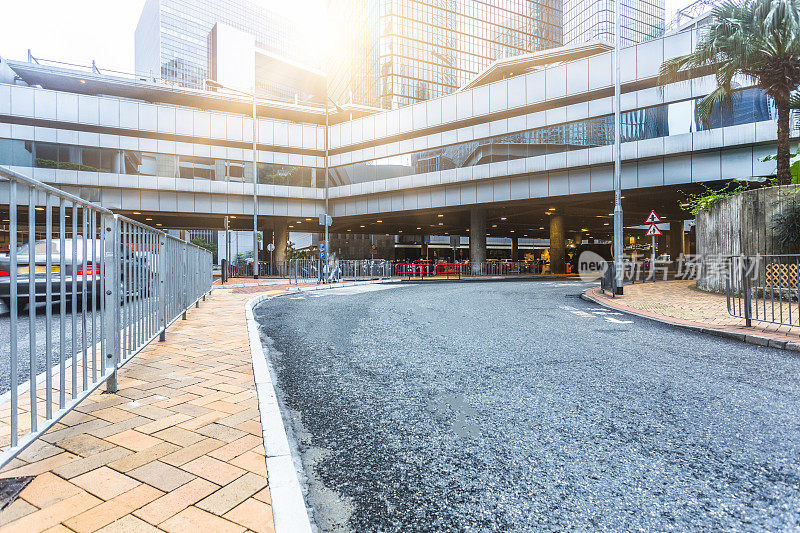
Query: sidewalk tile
[
  {"x": 104, "y": 483},
  {"x": 160, "y": 475},
  {"x": 137, "y": 460},
  {"x": 129, "y": 524},
  {"x": 192, "y": 451},
  {"x": 253, "y": 514},
  {"x": 134, "y": 440},
  {"x": 143, "y": 457},
  {"x": 47, "y": 489},
  {"x": 176, "y": 501},
  {"x": 52, "y": 515},
  {"x": 233, "y": 494},
  {"x": 192, "y": 520},
  {"x": 15, "y": 511},
  {"x": 213, "y": 470}
]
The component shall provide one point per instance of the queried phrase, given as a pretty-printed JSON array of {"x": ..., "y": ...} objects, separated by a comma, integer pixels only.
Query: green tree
[
  {"x": 757, "y": 39},
  {"x": 202, "y": 243}
]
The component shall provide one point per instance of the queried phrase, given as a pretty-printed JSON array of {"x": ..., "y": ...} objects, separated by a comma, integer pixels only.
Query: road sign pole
[{"x": 653, "y": 258}]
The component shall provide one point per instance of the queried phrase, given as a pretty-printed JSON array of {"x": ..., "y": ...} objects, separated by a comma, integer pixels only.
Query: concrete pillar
[
  {"x": 677, "y": 242},
  {"x": 477, "y": 236},
  {"x": 281, "y": 229},
  {"x": 557, "y": 245},
  {"x": 515, "y": 248}
]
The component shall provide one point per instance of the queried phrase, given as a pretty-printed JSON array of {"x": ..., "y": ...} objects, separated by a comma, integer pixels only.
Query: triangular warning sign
[
  {"x": 652, "y": 218},
  {"x": 653, "y": 231}
]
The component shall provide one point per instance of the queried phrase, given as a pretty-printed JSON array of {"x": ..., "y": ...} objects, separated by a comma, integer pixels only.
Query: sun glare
[{"x": 308, "y": 17}]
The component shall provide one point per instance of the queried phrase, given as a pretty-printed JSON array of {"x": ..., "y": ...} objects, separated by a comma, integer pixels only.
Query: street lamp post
[
  {"x": 217, "y": 85},
  {"x": 618, "y": 251},
  {"x": 327, "y": 212}
]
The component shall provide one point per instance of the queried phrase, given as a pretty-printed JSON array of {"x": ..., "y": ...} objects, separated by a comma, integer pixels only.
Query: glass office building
[
  {"x": 589, "y": 20},
  {"x": 392, "y": 53},
  {"x": 174, "y": 39}
]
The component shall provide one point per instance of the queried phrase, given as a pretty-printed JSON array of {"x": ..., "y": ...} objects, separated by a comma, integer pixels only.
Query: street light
[
  {"x": 327, "y": 127},
  {"x": 216, "y": 85},
  {"x": 618, "y": 264}
]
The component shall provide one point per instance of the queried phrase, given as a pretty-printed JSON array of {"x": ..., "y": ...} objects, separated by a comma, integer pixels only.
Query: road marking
[{"x": 599, "y": 313}]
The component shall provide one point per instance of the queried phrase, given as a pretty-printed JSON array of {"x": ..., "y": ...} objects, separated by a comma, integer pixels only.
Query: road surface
[{"x": 516, "y": 406}]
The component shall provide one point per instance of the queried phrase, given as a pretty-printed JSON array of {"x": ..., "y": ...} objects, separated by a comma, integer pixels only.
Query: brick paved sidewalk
[
  {"x": 680, "y": 303},
  {"x": 178, "y": 449}
]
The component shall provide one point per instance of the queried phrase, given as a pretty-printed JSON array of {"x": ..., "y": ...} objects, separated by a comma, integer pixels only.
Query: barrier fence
[
  {"x": 115, "y": 284},
  {"x": 765, "y": 288}
]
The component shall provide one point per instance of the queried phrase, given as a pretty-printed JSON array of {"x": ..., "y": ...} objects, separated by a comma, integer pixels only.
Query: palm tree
[{"x": 757, "y": 39}]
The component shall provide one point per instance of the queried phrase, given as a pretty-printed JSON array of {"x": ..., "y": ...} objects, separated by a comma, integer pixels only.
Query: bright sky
[{"x": 77, "y": 31}]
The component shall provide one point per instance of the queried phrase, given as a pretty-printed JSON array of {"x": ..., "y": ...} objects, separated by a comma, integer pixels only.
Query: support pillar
[
  {"x": 281, "y": 229},
  {"x": 557, "y": 245},
  {"x": 515, "y": 248},
  {"x": 677, "y": 242},
  {"x": 477, "y": 238}
]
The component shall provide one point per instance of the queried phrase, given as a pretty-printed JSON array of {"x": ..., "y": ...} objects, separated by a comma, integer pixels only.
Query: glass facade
[
  {"x": 183, "y": 29},
  {"x": 68, "y": 157},
  {"x": 591, "y": 20},
  {"x": 647, "y": 123},
  {"x": 392, "y": 53}
]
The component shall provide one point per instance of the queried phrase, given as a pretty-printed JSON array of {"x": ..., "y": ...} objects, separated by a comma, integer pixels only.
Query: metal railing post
[
  {"x": 184, "y": 251},
  {"x": 162, "y": 286},
  {"x": 746, "y": 288},
  {"x": 111, "y": 279}
]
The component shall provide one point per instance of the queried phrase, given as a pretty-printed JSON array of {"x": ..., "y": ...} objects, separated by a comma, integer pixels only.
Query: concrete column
[
  {"x": 515, "y": 248},
  {"x": 557, "y": 245},
  {"x": 677, "y": 242},
  {"x": 477, "y": 236},
  {"x": 281, "y": 229}
]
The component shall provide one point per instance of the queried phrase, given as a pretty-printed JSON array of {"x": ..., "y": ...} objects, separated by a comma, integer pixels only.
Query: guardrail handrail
[
  {"x": 130, "y": 280},
  {"x": 762, "y": 287}
]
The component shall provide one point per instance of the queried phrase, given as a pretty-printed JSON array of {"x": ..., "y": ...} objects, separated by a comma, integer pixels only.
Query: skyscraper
[
  {"x": 391, "y": 53},
  {"x": 587, "y": 20},
  {"x": 187, "y": 41}
]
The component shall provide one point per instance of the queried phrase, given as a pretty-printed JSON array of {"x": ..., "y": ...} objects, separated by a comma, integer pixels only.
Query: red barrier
[{"x": 415, "y": 270}]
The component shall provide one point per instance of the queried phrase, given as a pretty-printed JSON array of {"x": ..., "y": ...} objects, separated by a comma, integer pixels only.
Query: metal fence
[
  {"x": 765, "y": 288},
  {"x": 109, "y": 285},
  {"x": 461, "y": 270}
]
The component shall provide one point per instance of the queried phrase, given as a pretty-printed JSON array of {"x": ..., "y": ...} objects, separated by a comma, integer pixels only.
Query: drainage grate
[{"x": 10, "y": 489}]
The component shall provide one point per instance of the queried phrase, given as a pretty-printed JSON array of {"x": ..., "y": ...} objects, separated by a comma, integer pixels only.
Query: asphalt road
[
  {"x": 516, "y": 406},
  {"x": 40, "y": 328}
]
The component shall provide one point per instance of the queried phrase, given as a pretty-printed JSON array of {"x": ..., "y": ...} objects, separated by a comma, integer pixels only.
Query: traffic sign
[
  {"x": 322, "y": 255},
  {"x": 271, "y": 247},
  {"x": 653, "y": 218},
  {"x": 322, "y": 247},
  {"x": 427, "y": 239},
  {"x": 323, "y": 218},
  {"x": 653, "y": 231}
]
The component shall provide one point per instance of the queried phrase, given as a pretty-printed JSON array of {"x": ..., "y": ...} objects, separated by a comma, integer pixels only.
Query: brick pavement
[
  {"x": 177, "y": 449},
  {"x": 681, "y": 303}
]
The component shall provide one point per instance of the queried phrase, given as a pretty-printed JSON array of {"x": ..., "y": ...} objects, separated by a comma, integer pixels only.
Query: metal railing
[
  {"x": 765, "y": 288},
  {"x": 460, "y": 270},
  {"x": 109, "y": 284}
]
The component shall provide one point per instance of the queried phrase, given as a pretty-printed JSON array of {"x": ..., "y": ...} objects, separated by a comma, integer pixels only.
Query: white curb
[{"x": 289, "y": 511}]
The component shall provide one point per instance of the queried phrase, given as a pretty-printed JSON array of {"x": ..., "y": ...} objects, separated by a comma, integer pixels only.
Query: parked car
[{"x": 73, "y": 272}]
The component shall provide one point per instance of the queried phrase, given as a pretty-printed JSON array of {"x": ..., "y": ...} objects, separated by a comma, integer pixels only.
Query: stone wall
[{"x": 739, "y": 225}]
